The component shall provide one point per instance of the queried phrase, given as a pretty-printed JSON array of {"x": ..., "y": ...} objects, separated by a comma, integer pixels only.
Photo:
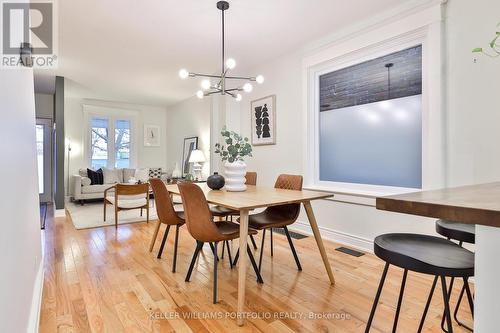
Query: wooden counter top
[{"x": 473, "y": 204}]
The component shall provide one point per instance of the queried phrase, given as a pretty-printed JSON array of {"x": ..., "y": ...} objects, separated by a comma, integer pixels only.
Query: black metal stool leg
[
  {"x": 400, "y": 300},
  {"x": 163, "y": 242},
  {"x": 431, "y": 293},
  {"x": 253, "y": 242},
  {"x": 229, "y": 254},
  {"x": 452, "y": 281},
  {"x": 254, "y": 264},
  {"x": 469, "y": 296},
  {"x": 377, "y": 296},
  {"x": 262, "y": 248},
  {"x": 215, "y": 273},
  {"x": 199, "y": 245},
  {"x": 446, "y": 300},
  {"x": 299, "y": 267},
  {"x": 175, "y": 247}
]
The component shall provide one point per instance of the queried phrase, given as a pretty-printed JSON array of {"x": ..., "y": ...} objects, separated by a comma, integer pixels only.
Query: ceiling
[{"x": 131, "y": 51}]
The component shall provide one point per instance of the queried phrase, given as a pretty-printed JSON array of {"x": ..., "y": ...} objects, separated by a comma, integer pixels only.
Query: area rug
[{"x": 90, "y": 215}]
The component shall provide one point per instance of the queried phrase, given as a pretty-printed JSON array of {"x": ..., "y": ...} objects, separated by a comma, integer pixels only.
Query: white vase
[{"x": 234, "y": 174}]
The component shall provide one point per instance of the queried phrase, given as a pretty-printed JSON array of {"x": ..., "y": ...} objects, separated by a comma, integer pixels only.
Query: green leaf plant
[
  {"x": 235, "y": 147},
  {"x": 493, "y": 49}
]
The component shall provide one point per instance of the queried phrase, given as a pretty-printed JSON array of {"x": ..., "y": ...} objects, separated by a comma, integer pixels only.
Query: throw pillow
[
  {"x": 127, "y": 174},
  {"x": 86, "y": 181},
  {"x": 142, "y": 175},
  {"x": 96, "y": 177},
  {"x": 112, "y": 176},
  {"x": 154, "y": 172},
  {"x": 82, "y": 172}
]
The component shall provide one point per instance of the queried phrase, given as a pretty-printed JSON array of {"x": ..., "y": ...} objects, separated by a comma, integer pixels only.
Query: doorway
[{"x": 44, "y": 158}]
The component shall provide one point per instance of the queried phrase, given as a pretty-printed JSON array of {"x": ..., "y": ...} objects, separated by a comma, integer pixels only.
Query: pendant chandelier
[{"x": 216, "y": 84}]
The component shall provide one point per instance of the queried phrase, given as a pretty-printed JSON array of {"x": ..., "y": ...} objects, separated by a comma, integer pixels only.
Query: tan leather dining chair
[
  {"x": 278, "y": 216},
  {"x": 127, "y": 197},
  {"x": 166, "y": 215},
  {"x": 200, "y": 224},
  {"x": 223, "y": 212}
]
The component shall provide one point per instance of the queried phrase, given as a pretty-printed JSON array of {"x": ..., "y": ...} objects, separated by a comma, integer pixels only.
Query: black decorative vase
[{"x": 215, "y": 181}]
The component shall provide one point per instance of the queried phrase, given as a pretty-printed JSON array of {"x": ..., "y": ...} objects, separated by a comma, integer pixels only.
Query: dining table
[
  {"x": 472, "y": 204},
  {"x": 261, "y": 197}
]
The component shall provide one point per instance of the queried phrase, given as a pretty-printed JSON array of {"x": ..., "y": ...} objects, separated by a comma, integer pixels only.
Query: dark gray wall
[
  {"x": 59, "y": 144},
  {"x": 368, "y": 82}
]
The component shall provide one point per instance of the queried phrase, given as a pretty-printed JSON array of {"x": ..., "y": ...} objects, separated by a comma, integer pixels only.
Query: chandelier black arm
[
  {"x": 234, "y": 89},
  {"x": 212, "y": 92}
]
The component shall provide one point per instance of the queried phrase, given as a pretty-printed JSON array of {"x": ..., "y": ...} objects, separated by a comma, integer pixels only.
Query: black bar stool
[
  {"x": 424, "y": 254},
  {"x": 463, "y": 233}
]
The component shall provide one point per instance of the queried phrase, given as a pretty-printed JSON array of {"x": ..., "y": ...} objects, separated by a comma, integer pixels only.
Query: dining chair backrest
[
  {"x": 197, "y": 213},
  {"x": 287, "y": 182},
  {"x": 163, "y": 202},
  {"x": 135, "y": 189},
  {"x": 251, "y": 178}
]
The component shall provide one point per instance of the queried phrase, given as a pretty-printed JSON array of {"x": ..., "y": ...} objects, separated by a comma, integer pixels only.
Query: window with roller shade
[{"x": 370, "y": 122}]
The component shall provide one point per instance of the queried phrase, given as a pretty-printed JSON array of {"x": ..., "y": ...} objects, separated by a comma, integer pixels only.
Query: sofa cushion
[
  {"x": 96, "y": 177},
  {"x": 142, "y": 175},
  {"x": 95, "y": 188},
  {"x": 127, "y": 203},
  {"x": 127, "y": 174},
  {"x": 86, "y": 181},
  {"x": 112, "y": 176}
]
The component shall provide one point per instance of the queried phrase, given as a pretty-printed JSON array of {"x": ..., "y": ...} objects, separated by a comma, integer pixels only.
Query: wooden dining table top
[
  {"x": 473, "y": 204},
  {"x": 255, "y": 196}
]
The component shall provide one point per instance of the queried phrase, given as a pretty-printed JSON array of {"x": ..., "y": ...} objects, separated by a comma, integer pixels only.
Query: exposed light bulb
[
  {"x": 259, "y": 79},
  {"x": 205, "y": 84},
  {"x": 247, "y": 87},
  {"x": 183, "y": 73},
  {"x": 238, "y": 97},
  {"x": 230, "y": 63},
  {"x": 200, "y": 94}
]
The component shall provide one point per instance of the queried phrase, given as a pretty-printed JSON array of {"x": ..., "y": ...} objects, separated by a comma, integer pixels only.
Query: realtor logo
[{"x": 28, "y": 34}]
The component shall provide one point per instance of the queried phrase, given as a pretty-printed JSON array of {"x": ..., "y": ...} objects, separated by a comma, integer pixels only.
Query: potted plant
[
  {"x": 493, "y": 49},
  {"x": 233, "y": 151}
]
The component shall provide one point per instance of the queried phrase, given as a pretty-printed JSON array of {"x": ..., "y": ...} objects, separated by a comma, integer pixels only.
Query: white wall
[
  {"x": 473, "y": 90},
  {"x": 188, "y": 118},
  {"x": 20, "y": 249},
  {"x": 147, "y": 157}
]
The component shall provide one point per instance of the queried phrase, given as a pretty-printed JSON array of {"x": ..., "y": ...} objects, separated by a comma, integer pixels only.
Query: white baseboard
[
  {"x": 359, "y": 243},
  {"x": 36, "y": 302},
  {"x": 60, "y": 212}
]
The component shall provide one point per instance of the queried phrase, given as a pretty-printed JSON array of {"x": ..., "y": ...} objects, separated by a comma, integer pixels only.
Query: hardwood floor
[{"x": 105, "y": 280}]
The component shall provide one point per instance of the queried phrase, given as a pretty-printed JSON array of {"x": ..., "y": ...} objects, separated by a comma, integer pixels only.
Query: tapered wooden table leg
[
  {"x": 242, "y": 265},
  {"x": 319, "y": 241},
  {"x": 155, "y": 234}
]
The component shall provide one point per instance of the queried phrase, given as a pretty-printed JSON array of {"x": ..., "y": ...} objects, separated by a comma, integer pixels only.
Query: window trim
[
  {"x": 112, "y": 114},
  {"x": 330, "y": 59}
]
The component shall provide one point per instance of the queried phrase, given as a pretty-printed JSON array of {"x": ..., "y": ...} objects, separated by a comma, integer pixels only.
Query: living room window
[{"x": 110, "y": 138}]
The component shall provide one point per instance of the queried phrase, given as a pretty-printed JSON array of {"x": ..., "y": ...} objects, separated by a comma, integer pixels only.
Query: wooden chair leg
[
  {"x": 104, "y": 210},
  {"x": 155, "y": 235},
  {"x": 116, "y": 217},
  {"x": 147, "y": 214}
]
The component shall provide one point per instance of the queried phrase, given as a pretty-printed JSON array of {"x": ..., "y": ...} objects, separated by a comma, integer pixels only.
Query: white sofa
[{"x": 81, "y": 189}]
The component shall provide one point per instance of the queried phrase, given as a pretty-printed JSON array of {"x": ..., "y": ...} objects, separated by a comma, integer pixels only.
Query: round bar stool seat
[
  {"x": 459, "y": 231},
  {"x": 425, "y": 254}
]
